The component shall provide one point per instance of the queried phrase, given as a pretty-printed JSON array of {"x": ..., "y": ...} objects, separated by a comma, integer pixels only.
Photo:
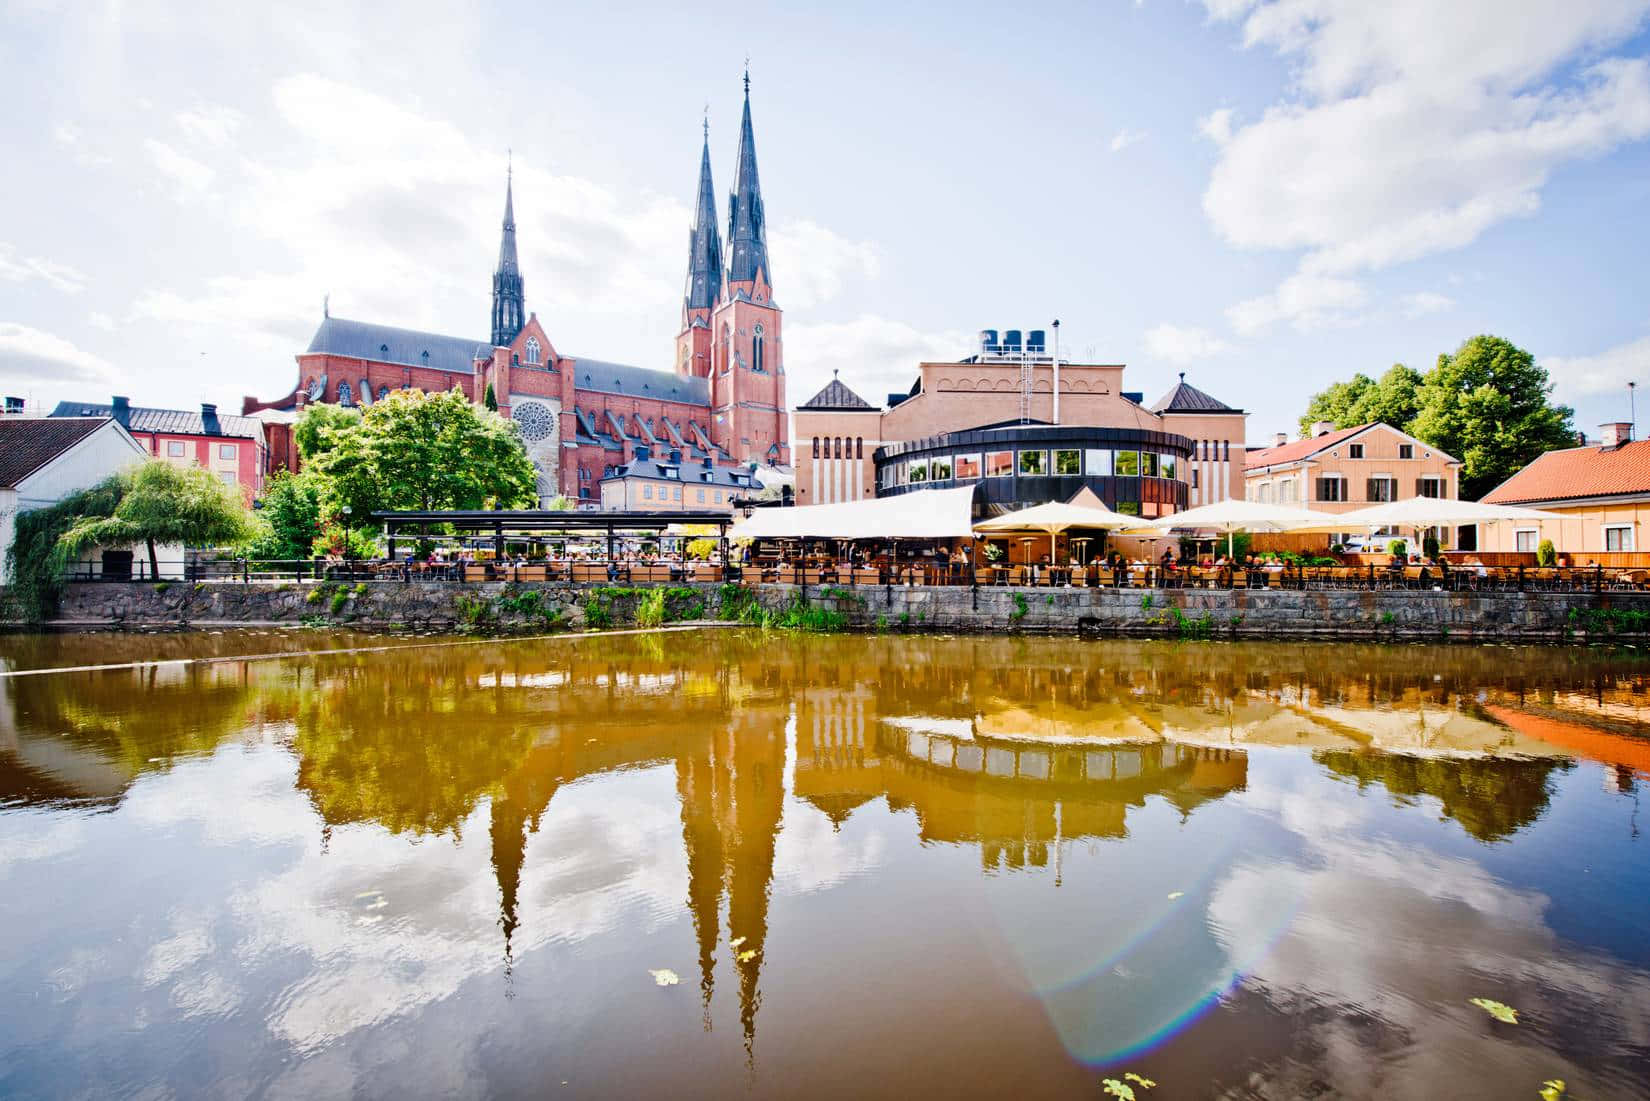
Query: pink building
[{"x": 230, "y": 447}]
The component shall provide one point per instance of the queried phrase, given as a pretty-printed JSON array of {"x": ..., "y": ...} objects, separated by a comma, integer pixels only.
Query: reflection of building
[
  {"x": 723, "y": 399},
  {"x": 993, "y": 419}
]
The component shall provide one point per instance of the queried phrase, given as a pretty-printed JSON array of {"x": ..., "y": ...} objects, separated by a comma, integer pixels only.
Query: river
[{"x": 734, "y": 863}]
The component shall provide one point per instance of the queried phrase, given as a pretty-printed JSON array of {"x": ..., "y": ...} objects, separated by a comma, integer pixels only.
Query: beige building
[
  {"x": 1603, "y": 493},
  {"x": 1341, "y": 470},
  {"x": 670, "y": 484},
  {"x": 1027, "y": 426}
]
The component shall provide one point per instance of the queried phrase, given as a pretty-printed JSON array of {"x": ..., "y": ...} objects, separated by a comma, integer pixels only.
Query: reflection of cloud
[
  {"x": 811, "y": 854},
  {"x": 1400, "y": 938}
]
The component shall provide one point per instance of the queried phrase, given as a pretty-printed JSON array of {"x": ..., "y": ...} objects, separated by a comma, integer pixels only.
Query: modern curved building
[{"x": 1026, "y": 426}]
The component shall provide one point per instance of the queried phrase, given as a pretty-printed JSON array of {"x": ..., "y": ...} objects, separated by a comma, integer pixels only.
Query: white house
[{"x": 44, "y": 459}]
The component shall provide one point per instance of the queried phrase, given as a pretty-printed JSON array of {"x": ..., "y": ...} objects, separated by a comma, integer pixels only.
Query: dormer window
[
  {"x": 757, "y": 350},
  {"x": 532, "y": 350},
  {"x": 384, "y": 351}
]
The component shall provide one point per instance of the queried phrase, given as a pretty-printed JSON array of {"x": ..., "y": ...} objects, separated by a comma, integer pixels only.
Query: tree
[
  {"x": 314, "y": 431},
  {"x": 490, "y": 399},
  {"x": 1361, "y": 400},
  {"x": 413, "y": 450},
  {"x": 1486, "y": 404},
  {"x": 33, "y": 567},
  {"x": 163, "y": 504},
  {"x": 290, "y": 517}
]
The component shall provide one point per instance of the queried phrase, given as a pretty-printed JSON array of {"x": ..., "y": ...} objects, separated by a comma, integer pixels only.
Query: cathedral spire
[
  {"x": 704, "y": 277},
  {"x": 509, "y": 308},
  {"x": 747, "y": 226}
]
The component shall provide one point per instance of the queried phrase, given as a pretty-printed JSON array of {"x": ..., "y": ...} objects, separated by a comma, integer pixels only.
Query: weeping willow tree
[
  {"x": 32, "y": 565},
  {"x": 163, "y": 504}
]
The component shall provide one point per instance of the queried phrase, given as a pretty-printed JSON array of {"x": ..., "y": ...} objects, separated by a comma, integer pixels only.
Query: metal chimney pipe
[{"x": 1056, "y": 370}]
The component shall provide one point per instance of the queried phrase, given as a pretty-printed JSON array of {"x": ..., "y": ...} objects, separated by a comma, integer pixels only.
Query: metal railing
[{"x": 1588, "y": 578}]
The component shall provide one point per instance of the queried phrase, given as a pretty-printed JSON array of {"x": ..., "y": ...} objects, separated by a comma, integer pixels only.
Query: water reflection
[{"x": 474, "y": 841}]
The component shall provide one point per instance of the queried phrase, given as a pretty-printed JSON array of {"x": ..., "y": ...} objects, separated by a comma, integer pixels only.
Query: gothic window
[
  {"x": 756, "y": 351},
  {"x": 859, "y": 447},
  {"x": 533, "y": 420},
  {"x": 533, "y": 351},
  {"x": 383, "y": 392},
  {"x": 816, "y": 447},
  {"x": 345, "y": 396}
]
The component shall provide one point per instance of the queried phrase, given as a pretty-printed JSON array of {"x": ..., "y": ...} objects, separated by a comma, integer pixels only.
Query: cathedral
[{"x": 591, "y": 425}]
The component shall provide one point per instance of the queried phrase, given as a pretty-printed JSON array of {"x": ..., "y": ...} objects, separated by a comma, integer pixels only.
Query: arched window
[
  {"x": 383, "y": 392},
  {"x": 345, "y": 395},
  {"x": 859, "y": 447},
  {"x": 816, "y": 447},
  {"x": 839, "y": 447},
  {"x": 756, "y": 351},
  {"x": 533, "y": 350}
]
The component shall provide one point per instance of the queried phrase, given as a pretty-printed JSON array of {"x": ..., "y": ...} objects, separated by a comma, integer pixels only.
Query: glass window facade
[
  {"x": 1097, "y": 463},
  {"x": 916, "y": 471},
  {"x": 999, "y": 464},
  {"x": 969, "y": 467},
  {"x": 1033, "y": 462},
  {"x": 1126, "y": 464},
  {"x": 1068, "y": 461},
  {"x": 940, "y": 469}
]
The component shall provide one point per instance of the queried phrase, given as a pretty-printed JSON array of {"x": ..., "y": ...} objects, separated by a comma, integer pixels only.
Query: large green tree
[
  {"x": 413, "y": 450},
  {"x": 1360, "y": 400},
  {"x": 289, "y": 516},
  {"x": 164, "y": 504},
  {"x": 1487, "y": 404},
  {"x": 314, "y": 432}
]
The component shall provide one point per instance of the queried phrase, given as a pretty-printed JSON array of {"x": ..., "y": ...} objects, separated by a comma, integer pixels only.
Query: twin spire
[
  {"x": 747, "y": 255},
  {"x": 747, "y": 251}
]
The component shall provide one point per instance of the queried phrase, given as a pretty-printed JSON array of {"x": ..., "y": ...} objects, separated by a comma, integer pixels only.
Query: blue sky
[{"x": 1268, "y": 195}]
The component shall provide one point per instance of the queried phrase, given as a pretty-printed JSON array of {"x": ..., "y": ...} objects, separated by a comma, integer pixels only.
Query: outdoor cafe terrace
[{"x": 937, "y": 544}]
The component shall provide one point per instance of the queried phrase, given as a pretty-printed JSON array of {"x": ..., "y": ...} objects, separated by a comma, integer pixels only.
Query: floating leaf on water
[
  {"x": 1117, "y": 1089},
  {"x": 1552, "y": 1089},
  {"x": 736, "y": 942},
  {"x": 747, "y": 955},
  {"x": 1498, "y": 1010},
  {"x": 1175, "y": 894},
  {"x": 1143, "y": 1083},
  {"x": 664, "y": 976}
]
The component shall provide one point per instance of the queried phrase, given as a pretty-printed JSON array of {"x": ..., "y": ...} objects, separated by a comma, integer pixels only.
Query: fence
[{"x": 1365, "y": 576}]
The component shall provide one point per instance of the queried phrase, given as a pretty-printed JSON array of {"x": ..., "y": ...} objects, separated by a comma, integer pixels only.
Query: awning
[{"x": 924, "y": 514}]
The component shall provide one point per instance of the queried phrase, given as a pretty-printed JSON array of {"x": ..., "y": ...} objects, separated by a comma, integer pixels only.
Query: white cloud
[
  {"x": 15, "y": 268},
  {"x": 31, "y": 355},
  {"x": 190, "y": 177},
  {"x": 1305, "y": 300},
  {"x": 1183, "y": 345},
  {"x": 1418, "y": 125},
  {"x": 209, "y": 124},
  {"x": 1125, "y": 138},
  {"x": 814, "y": 262},
  {"x": 876, "y": 356},
  {"x": 1422, "y": 303},
  {"x": 1607, "y": 372}
]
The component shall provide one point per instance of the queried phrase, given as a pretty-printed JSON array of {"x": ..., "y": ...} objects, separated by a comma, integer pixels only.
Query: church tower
[
  {"x": 748, "y": 379},
  {"x": 509, "y": 309},
  {"x": 704, "y": 276}
]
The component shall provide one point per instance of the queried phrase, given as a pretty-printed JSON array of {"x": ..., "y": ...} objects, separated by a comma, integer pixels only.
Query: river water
[{"x": 728, "y": 863}]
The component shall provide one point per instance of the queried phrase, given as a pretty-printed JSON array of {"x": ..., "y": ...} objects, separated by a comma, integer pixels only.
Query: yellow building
[{"x": 1603, "y": 493}]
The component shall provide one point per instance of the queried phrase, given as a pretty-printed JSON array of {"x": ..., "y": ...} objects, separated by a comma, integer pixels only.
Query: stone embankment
[{"x": 1185, "y": 613}]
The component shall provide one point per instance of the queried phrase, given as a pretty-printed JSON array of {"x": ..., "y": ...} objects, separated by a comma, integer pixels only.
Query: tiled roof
[
  {"x": 688, "y": 473},
  {"x": 29, "y": 443},
  {"x": 1579, "y": 472},
  {"x": 1186, "y": 398},
  {"x": 386, "y": 344},
  {"x": 1296, "y": 450},
  {"x": 639, "y": 382},
  {"x": 836, "y": 395},
  {"x": 179, "y": 422}
]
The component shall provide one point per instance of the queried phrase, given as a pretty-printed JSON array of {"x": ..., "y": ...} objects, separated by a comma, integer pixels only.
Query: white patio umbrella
[
  {"x": 1235, "y": 515},
  {"x": 1055, "y": 517},
  {"x": 1424, "y": 512}
]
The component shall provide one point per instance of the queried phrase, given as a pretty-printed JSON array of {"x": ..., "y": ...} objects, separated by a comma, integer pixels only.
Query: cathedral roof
[
  {"x": 1186, "y": 398},
  {"x": 387, "y": 344},
  {"x": 837, "y": 396},
  {"x": 639, "y": 382}
]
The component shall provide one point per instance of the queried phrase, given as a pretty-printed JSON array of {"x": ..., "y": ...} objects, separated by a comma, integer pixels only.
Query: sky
[{"x": 1265, "y": 194}]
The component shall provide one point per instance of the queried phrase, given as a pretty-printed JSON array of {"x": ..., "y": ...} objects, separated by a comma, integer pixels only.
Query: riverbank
[{"x": 503, "y": 608}]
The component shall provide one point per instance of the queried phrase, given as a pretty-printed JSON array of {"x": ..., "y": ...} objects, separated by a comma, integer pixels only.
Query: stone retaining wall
[{"x": 505, "y": 608}]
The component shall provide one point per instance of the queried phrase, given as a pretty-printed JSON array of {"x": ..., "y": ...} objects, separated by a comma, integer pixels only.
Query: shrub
[
  {"x": 1546, "y": 554},
  {"x": 1397, "y": 548},
  {"x": 1429, "y": 545}
]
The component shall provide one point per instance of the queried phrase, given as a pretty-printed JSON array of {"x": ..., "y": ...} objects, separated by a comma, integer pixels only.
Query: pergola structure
[{"x": 537, "y": 521}]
